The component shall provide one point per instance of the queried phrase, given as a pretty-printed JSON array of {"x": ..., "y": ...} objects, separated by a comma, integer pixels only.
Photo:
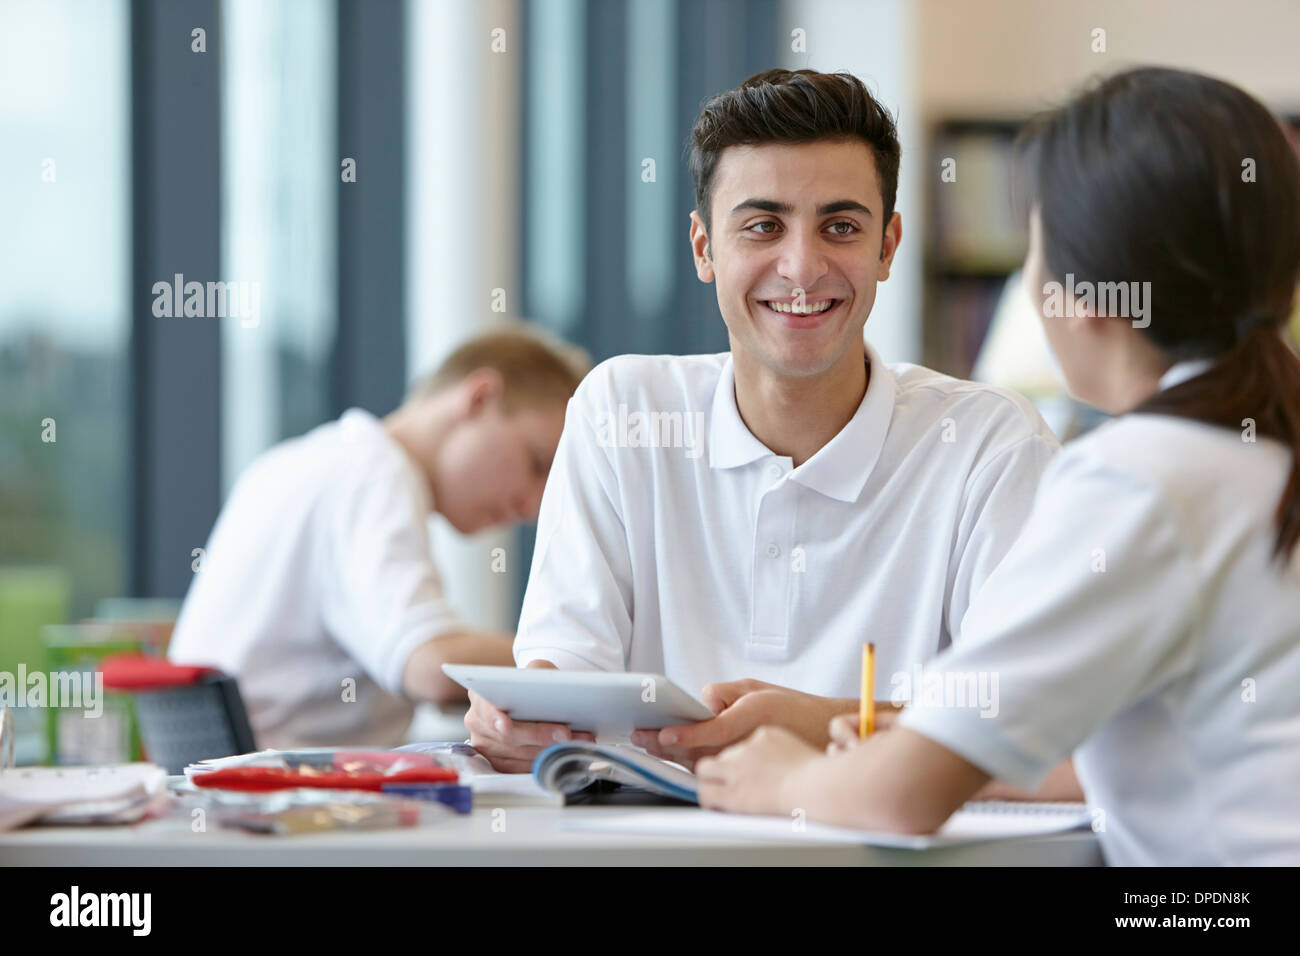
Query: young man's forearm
[{"x": 423, "y": 679}]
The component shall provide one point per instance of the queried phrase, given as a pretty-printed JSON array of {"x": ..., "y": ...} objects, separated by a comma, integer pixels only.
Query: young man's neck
[
  {"x": 419, "y": 427},
  {"x": 795, "y": 417}
]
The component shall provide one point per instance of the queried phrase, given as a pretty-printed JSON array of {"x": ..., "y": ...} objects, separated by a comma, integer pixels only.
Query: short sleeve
[
  {"x": 386, "y": 597},
  {"x": 997, "y": 503},
  {"x": 1089, "y": 612},
  {"x": 577, "y": 610}
]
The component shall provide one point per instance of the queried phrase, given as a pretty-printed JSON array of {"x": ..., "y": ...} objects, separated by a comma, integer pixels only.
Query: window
[{"x": 64, "y": 278}]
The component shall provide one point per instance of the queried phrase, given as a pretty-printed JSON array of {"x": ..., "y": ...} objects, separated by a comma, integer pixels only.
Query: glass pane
[
  {"x": 279, "y": 175},
  {"x": 64, "y": 298}
]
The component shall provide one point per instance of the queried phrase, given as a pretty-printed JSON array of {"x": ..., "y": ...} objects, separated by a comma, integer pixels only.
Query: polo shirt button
[
  {"x": 774, "y": 471},
  {"x": 773, "y": 551}
]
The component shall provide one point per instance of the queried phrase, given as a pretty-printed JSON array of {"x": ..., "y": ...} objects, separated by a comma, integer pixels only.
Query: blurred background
[{"x": 395, "y": 174}]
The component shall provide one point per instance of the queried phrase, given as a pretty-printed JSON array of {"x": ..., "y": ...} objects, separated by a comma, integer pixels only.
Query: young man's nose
[{"x": 802, "y": 261}]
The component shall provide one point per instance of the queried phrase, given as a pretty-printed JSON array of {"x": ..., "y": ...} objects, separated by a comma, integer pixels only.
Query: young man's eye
[
  {"x": 763, "y": 232},
  {"x": 852, "y": 227}
]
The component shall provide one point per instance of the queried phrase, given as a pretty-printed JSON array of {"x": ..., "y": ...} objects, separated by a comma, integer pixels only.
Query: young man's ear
[
  {"x": 889, "y": 245},
  {"x": 479, "y": 389},
  {"x": 700, "y": 248}
]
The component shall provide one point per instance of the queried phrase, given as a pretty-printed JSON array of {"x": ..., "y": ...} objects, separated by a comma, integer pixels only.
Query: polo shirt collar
[
  {"x": 841, "y": 467},
  {"x": 731, "y": 443}
]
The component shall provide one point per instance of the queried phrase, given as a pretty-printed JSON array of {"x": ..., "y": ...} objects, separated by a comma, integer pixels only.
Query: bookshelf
[{"x": 976, "y": 238}]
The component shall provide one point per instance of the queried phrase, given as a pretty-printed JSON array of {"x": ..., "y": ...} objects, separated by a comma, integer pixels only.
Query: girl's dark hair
[
  {"x": 1188, "y": 183},
  {"x": 792, "y": 106}
]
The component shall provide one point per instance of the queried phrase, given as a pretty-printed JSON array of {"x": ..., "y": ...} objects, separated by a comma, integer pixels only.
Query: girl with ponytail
[{"x": 1147, "y": 621}]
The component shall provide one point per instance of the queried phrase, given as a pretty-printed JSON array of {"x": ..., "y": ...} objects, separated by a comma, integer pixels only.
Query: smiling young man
[{"x": 836, "y": 499}]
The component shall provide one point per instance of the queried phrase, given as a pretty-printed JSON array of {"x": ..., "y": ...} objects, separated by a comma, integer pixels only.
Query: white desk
[{"x": 532, "y": 837}]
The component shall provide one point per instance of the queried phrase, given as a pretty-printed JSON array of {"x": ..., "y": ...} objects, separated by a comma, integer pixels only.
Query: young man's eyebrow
[{"x": 784, "y": 208}]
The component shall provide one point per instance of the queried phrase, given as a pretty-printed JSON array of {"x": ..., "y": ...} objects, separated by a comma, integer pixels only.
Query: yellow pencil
[{"x": 867, "y": 711}]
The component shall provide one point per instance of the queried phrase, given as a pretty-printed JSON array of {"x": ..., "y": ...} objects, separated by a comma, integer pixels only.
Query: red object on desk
[
  {"x": 133, "y": 671},
  {"x": 276, "y": 778}
]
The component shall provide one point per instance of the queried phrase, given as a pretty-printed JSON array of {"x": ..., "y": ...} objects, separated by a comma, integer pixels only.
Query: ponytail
[{"x": 1257, "y": 380}]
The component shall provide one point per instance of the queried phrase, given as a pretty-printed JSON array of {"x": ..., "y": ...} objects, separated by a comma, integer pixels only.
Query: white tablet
[{"x": 601, "y": 702}]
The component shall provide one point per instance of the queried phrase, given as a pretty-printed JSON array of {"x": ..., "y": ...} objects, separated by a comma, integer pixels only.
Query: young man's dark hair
[{"x": 792, "y": 106}]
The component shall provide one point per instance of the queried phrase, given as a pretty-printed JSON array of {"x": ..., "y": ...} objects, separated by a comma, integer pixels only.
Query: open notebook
[{"x": 567, "y": 768}]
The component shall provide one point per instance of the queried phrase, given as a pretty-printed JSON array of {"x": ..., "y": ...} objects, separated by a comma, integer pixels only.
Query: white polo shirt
[
  {"x": 671, "y": 540},
  {"x": 317, "y": 584},
  {"x": 1139, "y": 619}
]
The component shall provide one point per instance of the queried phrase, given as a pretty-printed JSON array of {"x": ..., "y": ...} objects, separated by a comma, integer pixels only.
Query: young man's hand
[
  {"x": 742, "y": 707},
  {"x": 512, "y": 745}
]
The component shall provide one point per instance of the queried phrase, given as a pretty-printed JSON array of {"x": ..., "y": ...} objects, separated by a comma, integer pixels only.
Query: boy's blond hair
[{"x": 537, "y": 367}]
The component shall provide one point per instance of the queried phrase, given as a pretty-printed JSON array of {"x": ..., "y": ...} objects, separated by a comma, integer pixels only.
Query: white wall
[{"x": 1010, "y": 56}]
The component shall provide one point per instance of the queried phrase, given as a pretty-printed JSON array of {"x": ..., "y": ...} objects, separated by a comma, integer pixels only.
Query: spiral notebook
[{"x": 973, "y": 823}]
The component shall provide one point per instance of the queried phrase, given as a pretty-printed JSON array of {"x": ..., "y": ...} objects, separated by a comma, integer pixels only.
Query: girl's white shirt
[{"x": 1142, "y": 623}]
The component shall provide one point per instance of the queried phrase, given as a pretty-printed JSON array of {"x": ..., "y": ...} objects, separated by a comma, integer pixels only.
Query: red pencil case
[{"x": 276, "y": 778}]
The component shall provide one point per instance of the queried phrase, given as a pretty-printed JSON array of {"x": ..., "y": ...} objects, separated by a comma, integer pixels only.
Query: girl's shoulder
[{"x": 1206, "y": 473}]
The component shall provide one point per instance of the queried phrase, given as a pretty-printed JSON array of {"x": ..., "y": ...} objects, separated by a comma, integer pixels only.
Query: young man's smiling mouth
[{"x": 806, "y": 315}]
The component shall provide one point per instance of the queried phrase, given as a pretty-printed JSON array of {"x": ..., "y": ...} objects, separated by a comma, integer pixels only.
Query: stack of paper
[{"x": 122, "y": 793}]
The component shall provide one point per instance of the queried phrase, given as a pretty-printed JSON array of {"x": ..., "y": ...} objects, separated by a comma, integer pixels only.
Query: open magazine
[{"x": 569, "y": 767}]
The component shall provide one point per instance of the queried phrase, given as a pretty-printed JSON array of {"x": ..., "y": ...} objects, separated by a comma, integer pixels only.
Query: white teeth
[{"x": 797, "y": 310}]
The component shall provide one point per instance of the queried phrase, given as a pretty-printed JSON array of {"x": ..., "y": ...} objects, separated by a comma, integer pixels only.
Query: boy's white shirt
[
  {"x": 1140, "y": 619},
  {"x": 316, "y": 585},
  {"x": 716, "y": 559}
]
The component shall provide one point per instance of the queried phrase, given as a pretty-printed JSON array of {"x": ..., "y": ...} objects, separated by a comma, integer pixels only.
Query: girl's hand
[
  {"x": 759, "y": 775},
  {"x": 844, "y": 728}
]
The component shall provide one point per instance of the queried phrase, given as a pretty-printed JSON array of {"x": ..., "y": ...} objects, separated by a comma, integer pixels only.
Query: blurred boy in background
[{"x": 317, "y": 589}]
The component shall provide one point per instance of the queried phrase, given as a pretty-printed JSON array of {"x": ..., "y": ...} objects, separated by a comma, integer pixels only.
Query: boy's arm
[
  {"x": 384, "y": 601},
  {"x": 422, "y": 677}
]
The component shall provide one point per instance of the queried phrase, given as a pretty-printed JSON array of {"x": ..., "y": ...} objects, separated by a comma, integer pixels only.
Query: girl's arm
[
  {"x": 1060, "y": 785},
  {"x": 899, "y": 781}
]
